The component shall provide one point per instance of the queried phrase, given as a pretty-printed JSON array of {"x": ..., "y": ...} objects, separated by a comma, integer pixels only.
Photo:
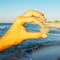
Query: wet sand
[{"x": 54, "y": 25}]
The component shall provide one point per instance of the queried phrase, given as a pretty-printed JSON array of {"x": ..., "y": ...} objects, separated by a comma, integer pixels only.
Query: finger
[
  {"x": 32, "y": 19},
  {"x": 36, "y": 35},
  {"x": 23, "y": 20},
  {"x": 27, "y": 20},
  {"x": 31, "y": 13},
  {"x": 41, "y": 24},
  {"x": 43, "y": 27},
  {"x": 44, "y": 30}
]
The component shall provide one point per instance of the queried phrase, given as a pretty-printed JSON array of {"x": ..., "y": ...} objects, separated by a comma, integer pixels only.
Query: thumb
[{"x": 35, "y": 35}]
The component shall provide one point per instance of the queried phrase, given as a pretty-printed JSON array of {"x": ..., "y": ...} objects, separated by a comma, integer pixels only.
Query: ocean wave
[
  {"x": 54, "y": 31},
  {"x": 3, "y": 27},
  {"x": 53, "y": 36}
]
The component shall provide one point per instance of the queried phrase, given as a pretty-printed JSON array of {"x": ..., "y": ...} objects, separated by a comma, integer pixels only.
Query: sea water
[{"x": 37, "y": 49}]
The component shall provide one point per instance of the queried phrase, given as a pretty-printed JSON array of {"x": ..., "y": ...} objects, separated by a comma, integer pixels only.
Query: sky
[{"x": 10, "y": 9}]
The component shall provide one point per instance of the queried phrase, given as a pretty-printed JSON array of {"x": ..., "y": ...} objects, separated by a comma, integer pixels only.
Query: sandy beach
[{"x": 54, "y": 25}]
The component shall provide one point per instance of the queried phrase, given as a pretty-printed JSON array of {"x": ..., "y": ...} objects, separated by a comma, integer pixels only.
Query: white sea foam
[{"x": 2, "y": 27}]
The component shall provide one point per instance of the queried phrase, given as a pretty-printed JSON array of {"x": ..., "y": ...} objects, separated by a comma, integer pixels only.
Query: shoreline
[
  {"x": 53, "y": 25},
  {"x": 50, "y": 25}
]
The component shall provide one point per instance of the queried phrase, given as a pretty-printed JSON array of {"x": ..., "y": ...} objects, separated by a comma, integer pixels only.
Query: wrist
[{"x": 6, "y": 42}]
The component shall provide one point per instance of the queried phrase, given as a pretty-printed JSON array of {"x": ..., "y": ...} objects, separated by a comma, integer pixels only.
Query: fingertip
[{"x": 44, "y": 36}]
